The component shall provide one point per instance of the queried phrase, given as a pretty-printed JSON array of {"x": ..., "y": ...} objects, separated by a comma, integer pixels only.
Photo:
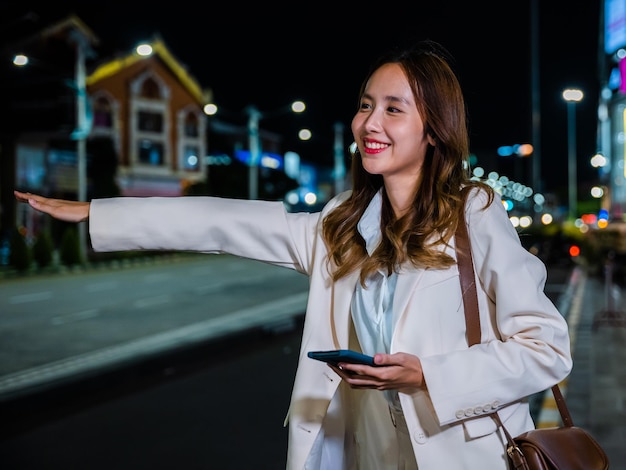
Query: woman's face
[{"x": 388, "y": 128}]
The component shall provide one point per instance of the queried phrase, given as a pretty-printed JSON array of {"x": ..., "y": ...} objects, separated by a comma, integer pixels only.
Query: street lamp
[
  {"x": 82, "y": 129},
  {"x": 572, "y": 96}
]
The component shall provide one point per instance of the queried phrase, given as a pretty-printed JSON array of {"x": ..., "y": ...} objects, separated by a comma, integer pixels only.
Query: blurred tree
[
  {"x": 201, "y": 188},
  {"x": 42, "y": 249},
  {"x": 229, "y": 180},
  {"x": 102, "y": 168},
  {"x": 20, "y": 256},
  {"x": 70, "y": 249}
]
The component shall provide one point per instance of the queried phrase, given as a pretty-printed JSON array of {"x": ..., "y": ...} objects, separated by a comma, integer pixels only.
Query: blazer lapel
[
  {"x": 408, "y": 282},
  {"x": 342, "y": 292}
]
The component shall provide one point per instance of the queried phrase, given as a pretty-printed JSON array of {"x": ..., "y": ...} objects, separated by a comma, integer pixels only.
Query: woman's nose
[{"x": 373, "y": 122}]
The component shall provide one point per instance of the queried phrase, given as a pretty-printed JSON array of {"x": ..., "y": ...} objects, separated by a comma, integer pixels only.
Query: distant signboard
[
  {"x": 268, "y": 159},
  {"x": 614, "y": 25}
]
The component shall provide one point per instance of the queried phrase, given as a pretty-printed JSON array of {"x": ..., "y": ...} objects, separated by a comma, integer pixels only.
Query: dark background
[{"x": 269, "y": 54}]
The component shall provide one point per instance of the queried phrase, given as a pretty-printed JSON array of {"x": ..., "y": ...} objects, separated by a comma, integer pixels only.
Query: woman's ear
[{"x": 430, "y": 139}]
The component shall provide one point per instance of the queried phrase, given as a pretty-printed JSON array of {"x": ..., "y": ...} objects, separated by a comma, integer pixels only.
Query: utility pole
[
  {"x": 340, "y": 167},
  {"x": 254, "y": 142},
  {"x": 81, "y": 131}
]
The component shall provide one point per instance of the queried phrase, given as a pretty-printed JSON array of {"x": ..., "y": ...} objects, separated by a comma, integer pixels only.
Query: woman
[{"x": 384, "y": 280}]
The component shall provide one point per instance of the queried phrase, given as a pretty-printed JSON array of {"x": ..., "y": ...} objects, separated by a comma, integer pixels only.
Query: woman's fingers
[{"x": 68, "y": 211}]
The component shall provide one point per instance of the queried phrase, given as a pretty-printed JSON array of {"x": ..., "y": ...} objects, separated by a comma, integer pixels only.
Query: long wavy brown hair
[{"x": 420, "y": 234}]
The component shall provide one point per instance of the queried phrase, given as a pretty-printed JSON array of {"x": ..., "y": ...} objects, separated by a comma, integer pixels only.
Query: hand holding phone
[{"x": 336, "y": 356}]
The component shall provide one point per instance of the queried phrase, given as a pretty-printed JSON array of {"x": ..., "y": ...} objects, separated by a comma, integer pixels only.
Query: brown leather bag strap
[
  {"x": 470, "y": 299},
  {"x": 467, "y": 277},
  {"x": 562, "y": 406}
]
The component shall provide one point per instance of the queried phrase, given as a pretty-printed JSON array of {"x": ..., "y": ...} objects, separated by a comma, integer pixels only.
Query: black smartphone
[{"x": 336, "y": 356}]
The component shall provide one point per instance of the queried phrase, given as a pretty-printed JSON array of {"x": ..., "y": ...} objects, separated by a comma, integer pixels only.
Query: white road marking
[{"x": 34, "y": 297}]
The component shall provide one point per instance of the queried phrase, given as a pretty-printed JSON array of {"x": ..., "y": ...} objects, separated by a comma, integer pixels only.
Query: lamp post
[
  {"x": 572, "y": 96},
  {"x": 81, "y": 132},
  {"x": 254, "y": 145},
  {"x": 340, "y": 167}
]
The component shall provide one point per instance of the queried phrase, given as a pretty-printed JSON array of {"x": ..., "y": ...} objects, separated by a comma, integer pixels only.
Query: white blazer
[{"x": 525, "y": 343}]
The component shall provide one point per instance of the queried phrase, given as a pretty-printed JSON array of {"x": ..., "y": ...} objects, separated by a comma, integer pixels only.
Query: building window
[
  {"x": 150, "y": 121},
  {"x": 191, "y": 161},
  {"x": 150, "y": 89},
  {"x": 150, "y": 125},
  {"x": 191, "y": 125},
  {"x": 102, "y": 114},
  {"x": 151, "y": 153}
]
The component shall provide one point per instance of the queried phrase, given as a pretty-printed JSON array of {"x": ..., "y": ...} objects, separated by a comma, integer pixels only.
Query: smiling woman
[{"x": 383, "y": 281}]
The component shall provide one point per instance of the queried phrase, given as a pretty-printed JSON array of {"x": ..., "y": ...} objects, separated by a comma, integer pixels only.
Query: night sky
[{"x": 269, "y": 55}]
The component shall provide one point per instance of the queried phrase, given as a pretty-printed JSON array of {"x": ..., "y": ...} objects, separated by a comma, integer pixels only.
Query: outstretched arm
[{"x": 68, "y": 211}]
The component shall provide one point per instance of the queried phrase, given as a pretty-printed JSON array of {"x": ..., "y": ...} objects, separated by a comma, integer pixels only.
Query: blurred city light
[
  {"x": 144, "y": 50},
  {"x": 574, "y": 250},
  {"x": 304, "y": 134},
  {"x": 298, "y": 106},
  {"x": 546, "y": 219},
  {"x": 20, "y": 60},
  {"x": 520, "y": 150},
  {"x": 589, "y": 219},
  {"x": 598, "y": 161},
  {"x": 310, "y": 198},
  {"x": 210, "y": 109},
  {"x": 603, "y": 214},
  {"x": 572, "y": 94},
  {"x": 525, "y": 221},
  {"x": 478, "y": 172},
  {"x": 597, "y": 192}
]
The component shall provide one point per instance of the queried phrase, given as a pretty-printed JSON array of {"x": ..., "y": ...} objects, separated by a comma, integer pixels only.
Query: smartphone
[{"x": 336, "y": 356}]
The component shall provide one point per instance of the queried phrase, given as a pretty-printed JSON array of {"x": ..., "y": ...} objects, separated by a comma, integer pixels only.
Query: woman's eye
[
  {"x": 365, "y": 106},
  {"x": 391, "y": 109}
]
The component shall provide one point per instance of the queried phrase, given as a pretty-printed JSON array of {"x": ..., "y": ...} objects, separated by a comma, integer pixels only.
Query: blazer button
[
  {"x": 420, "y": 437},
  {"x": 478, "y": 409},
  {"x": 460, "y": 414},
  {"x": 469, "y": 412}
]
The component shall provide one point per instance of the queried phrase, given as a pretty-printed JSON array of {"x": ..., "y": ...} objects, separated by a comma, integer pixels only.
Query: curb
[{"x": 570, "y": 305}]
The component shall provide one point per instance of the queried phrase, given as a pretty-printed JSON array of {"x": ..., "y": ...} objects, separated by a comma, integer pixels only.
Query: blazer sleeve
[
  {"x": 525, "y": 344},
  {"x": 260, "y": 230}
]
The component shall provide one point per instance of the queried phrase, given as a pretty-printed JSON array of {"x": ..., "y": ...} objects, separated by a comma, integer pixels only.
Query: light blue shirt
[{"x": 372, "y": 305}]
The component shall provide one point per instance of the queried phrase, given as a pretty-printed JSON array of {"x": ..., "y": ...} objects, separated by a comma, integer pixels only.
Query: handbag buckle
[{"x": 517, "y": 457}]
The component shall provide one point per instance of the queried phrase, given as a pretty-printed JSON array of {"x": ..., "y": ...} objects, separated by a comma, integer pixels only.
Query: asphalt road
[{"x": 216, "y": 406}]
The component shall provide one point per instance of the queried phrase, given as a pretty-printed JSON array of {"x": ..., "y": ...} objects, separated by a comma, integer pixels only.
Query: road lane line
[{"x": 34, "y": 297}]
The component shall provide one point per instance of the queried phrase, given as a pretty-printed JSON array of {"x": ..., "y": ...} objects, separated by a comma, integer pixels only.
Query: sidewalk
[{"x": 595, "y": 391}]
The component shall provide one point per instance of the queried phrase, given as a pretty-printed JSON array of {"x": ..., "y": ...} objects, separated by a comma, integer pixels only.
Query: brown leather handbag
[{"x": 558, "y": 448}]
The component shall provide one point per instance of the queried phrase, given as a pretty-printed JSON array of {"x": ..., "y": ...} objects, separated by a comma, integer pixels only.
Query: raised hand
[{"x": 68, "y": 211}]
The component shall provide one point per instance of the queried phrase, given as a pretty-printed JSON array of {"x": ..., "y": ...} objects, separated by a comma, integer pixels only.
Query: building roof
[{"x": 115, "y": 65}]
